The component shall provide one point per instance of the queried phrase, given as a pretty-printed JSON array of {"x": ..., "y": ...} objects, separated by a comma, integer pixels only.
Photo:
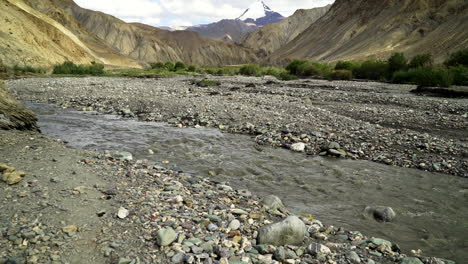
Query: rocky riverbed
[
  {"x": 74, "y": 206},
  {"x": 380, "y": 122}
]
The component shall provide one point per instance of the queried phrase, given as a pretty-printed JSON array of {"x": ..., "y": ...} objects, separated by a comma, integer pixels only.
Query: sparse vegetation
[
  {"x": 250, "y": 70},
  {"x": 397, "y": 68},
  {"x": 340, "y": 75},
  {"x": 372, "y": 70},
  {"x": 397, "y": 62},
  {"x": 423, "y": 60},
  {"x": 458, "y": 58},
  {"x": 179, "y": 66},
  {"x": 69, "y": 67},
  {"x": 27, "y": 69}
]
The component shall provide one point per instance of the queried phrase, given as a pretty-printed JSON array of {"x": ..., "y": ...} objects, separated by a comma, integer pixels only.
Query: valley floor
[
  {"x": 65, "y": 210},
  {"x": 380, "y": 122}
]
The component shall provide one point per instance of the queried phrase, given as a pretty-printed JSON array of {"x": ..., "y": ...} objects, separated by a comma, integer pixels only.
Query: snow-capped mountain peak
[
  {"x": 260, "y": 14},
  {"x": 256, "y": 10}
]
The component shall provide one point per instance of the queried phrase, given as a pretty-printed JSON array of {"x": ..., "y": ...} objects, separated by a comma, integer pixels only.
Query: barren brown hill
[
  {"x": 274, "y": 36},
  {"x": 150, "y": 44},
  {"x": 28, "y": 37},
  {"x": 361, "y": 28}
]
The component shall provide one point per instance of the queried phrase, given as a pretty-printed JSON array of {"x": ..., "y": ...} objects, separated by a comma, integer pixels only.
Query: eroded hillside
[
  {"x": 359, "y": 29},
  {"x": 274, "y": 36}
]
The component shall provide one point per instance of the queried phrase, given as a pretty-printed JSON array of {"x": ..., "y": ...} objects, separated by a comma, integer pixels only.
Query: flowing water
[{"x": 431, "y": 208}]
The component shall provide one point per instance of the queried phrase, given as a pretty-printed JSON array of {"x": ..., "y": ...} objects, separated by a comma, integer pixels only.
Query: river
[{"x": 431, "y": 208}]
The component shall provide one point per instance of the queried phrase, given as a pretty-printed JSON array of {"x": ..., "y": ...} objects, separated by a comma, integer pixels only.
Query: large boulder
[
  {"x": 165, "y": 236},
  {"x": 380, "y": 213},
  {"x": 13, "y": 114},
  {"x": 289, "y": 231}
]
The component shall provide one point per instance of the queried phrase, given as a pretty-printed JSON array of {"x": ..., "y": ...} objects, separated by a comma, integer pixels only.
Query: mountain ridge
[{"x": 361, "y": 29}]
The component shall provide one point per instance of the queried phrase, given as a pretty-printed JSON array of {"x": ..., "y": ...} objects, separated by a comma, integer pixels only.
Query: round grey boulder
[
  {"x": 289, "y": 231},
  {"x": 380, "y": 213}
]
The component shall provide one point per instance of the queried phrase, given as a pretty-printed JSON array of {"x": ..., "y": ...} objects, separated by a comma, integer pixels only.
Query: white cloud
[{"x": 188, "y": 12}]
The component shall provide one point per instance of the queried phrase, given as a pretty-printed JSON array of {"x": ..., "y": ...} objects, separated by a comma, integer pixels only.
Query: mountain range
[
  {"x": 47, "y": 32},
  {"x": 253, "y": 18}
]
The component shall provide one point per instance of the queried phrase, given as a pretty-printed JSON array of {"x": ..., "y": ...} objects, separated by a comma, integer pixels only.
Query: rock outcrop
[{"x": 13, "y": 114}]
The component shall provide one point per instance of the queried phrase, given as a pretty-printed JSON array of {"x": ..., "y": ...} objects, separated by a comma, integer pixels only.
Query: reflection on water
[{"x": 431, "y": 208}]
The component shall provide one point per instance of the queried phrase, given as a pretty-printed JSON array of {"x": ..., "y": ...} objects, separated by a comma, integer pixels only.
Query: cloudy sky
[{"x": 188, "y": 12}]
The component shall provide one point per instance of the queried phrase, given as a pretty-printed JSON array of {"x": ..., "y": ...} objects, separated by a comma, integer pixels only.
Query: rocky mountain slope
[
  {"x": 359, "y": 29},
  {"x": 150, "y": 44},
  {"x": 230, "y": 30},
  {"x": 272, "y": 37},
  {"x": 28, "y": 37},
  {"x": 253, "y": 18},
  {"x": 47, "y": 32}
]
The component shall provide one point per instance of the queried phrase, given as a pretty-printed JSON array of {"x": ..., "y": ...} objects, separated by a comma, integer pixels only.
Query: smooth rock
[
  {"x": 178, "y": 258},
  {"x": 298, "y": 147},
  {"x": 234, "y": 224},
  {"x": 272, "y": 202},
  {"x": 353, "y": 257},
  {"x": 165, "y": 236},
  {"x": 123, "y": 213},
  {"x": 411, "y": 260},
  {"x": 317, "y": 249},
  {"x": 289, "y": 231},
  {"x": 122, "y": 155},
  {"x": 380, "y": 213},
  {"x": 333, "y": 145},
  {"x": 70, "y": 229}
]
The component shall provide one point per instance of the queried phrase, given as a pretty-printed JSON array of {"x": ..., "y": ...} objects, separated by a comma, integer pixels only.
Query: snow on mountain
[{"x": 260, "y": 14}]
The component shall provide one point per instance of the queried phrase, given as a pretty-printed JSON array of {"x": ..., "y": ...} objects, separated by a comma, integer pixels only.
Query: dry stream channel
[{"x": 431, "y": 208}]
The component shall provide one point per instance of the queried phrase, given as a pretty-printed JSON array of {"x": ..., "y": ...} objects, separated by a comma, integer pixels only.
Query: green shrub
[
  {"x": 250, "y": 70},
  {"x": 271, "y": 70},
  {"x": 157, "y": 65},
  {"x": 293, "y": 67},
  {"x": 340, "y": 75},
  {"x": 69, "y": 67},
  {"x": 308, "y": 69},
  {"x": 431, "y": 77},
  {"x": 347, "y": 65},
  {"x": 459, "y": 74},
  {"x": 179, "y": 66},
  {"x": 397, "y": 62},
  {"x": 192, "y": 68},
  {"x": 26, "y": 69},
  {"x": 458, "y": 58},
  {"x": 402, "y": 77},
  {"x": 285, "y": 76},
  {"x": 423, "y": 60},
  {"x": 372, "y": 70},
  {"x": 169, "y": 66}
]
